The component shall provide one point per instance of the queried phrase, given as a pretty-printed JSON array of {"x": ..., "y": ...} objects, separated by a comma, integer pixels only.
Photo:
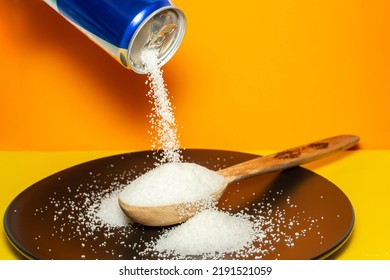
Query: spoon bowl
[{"x": 164, "y": 215}]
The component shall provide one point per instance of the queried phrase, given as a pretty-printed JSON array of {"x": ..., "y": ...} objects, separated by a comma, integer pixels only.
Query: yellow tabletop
[{"x": 363, "y": 175}]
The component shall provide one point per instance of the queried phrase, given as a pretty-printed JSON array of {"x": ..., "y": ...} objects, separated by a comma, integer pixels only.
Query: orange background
[{"x": 249, "y": 75}]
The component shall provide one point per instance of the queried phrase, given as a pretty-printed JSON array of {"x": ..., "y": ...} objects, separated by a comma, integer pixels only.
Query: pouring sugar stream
[{"x": 174, "y": 192}]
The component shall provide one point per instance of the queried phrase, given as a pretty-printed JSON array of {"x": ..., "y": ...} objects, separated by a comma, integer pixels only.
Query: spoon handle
[{"x": 289, "y": 158}]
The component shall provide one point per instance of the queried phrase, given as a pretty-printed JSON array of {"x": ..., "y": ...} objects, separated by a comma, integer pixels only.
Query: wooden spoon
[{"x": 164, "y": 215}]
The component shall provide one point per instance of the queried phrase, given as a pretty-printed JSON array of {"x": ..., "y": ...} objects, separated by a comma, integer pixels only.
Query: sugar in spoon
[{"x": 163, "y": 215}]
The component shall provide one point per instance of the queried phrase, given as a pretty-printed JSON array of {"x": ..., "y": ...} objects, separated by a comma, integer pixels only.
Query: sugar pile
[
  {"x": 162, "y": 118},
  {"x": 172, "y": 183},
  {"x": 253, "y": 233},
  {"x": 210, "y": 232},
  {"x": 108, "y": 211}
]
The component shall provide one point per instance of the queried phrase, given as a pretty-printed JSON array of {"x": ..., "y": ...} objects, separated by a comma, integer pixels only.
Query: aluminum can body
[{"x": 124, "y": 28}]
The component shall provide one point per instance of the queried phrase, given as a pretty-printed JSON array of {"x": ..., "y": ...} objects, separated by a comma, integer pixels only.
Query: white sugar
[
  {"x": 172, "y": 183},
  {"x": 209, "y": 232},
  {"x": 110, "y": 213},
  {"x": 162, "y": 118}
]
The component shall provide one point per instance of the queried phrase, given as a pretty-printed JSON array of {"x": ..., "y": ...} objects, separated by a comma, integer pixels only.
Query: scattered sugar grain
[
  {"x": 84, "y": 211},
  {"x": 110, "y": 213}
]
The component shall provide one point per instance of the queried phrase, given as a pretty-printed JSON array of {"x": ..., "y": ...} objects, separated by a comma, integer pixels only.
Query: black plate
[{"x": 48, "y": 220}]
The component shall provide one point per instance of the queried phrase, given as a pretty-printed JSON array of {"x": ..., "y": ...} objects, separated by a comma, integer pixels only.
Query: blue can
[{"x": 124, "y": 28}]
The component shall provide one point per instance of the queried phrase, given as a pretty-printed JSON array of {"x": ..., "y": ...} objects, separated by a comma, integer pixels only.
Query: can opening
[
  {"x": 162, "y": 31},
  {"x": 160, "y": 36}
]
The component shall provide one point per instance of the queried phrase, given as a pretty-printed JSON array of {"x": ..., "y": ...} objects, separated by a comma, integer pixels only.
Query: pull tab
[
  {"x": 157, "y": 39},
  {"x": 160, "y": 29}
]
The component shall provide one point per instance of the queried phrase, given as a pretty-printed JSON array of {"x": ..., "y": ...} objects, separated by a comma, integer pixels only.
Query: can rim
[{"x": 172, "y": 48}]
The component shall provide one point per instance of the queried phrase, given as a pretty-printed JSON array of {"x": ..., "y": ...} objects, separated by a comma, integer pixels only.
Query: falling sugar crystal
[
  {"x": 172, "y": 183},
  {"x": 162, "y": 118}
]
